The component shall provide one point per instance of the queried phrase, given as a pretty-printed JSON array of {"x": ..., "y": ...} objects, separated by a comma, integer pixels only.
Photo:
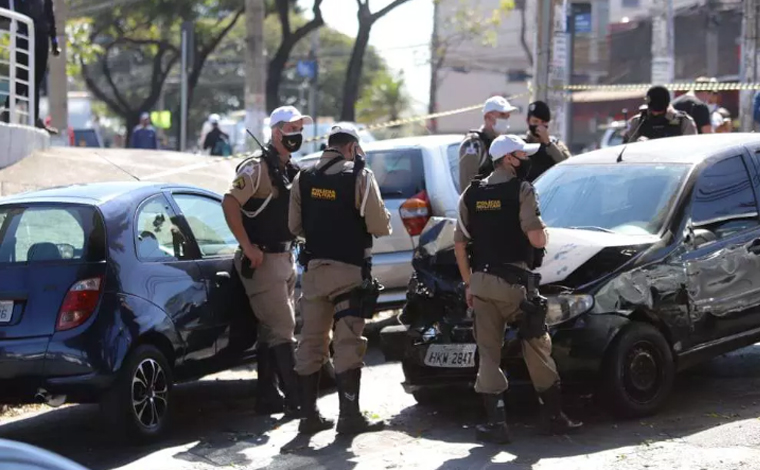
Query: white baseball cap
[
  {"x": 499, "y": 104},
  {"x": 506, "y": 144},
  {"x": 344, "y": 128},
  {"x": 288, "y": 114},
  {"x": 144, "y": 116},
  {"x": 214, "y": 119}
]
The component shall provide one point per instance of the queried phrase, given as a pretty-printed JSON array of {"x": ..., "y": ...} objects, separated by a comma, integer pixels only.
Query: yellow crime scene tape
[{"x": 643, "y": 87}]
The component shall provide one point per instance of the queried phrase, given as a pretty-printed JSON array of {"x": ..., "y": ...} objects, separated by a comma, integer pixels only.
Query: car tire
[
  {"x": 638, "y": 372},
  {"x": 140, "y": 402}
]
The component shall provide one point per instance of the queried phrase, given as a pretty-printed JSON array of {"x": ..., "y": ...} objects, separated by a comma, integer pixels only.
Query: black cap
[
  {"x": 658, "y": 98},
  {"x": 540, "y": 110}
]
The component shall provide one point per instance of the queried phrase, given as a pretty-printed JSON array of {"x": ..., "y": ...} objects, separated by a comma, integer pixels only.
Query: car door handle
[
  {"x": 754, "y": 247},
  {"x": 222, "y": 275}
]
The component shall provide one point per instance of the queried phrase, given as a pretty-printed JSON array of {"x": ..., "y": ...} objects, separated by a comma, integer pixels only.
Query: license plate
[
  {"x": 6, "y": 311},
  {"x": 450, "y": 355}
]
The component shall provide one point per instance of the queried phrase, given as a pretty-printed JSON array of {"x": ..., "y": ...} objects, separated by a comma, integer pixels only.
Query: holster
[
  {"x": 534, "y": 307},
  {"x": 303, "y": 256},
  {"x": 362, "y": 299}
]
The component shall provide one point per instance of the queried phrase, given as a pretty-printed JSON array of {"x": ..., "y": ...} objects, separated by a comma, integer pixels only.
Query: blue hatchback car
[{"x": 113, "y": 292}]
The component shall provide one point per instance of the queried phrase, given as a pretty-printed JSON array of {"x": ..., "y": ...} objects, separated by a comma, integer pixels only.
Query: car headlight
[{"x": 561, "y": 308}]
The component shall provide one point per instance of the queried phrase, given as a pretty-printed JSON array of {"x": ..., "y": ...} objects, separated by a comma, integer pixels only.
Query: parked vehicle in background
[
  {"x": 418, "y": 179},
  {"x": 613, "y": 134},
  {"x": 651, "y": 267},
  {"x": 112, "y": 292}
]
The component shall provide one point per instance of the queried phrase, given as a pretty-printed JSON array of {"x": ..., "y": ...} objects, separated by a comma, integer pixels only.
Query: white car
[{"x": 418, "y": 179}]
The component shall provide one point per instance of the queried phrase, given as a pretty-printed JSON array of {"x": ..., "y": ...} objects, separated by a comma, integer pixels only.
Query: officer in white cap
[
  {"x": 500, "y": 219},
  {"x": 473, "y": 152},
  {"x": 336, "y": 207},
  {"x": 256, "y": 209}
]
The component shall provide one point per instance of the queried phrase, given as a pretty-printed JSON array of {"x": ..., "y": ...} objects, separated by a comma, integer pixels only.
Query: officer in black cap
[
  {"x": 659, "y": 120},
  {"x": 552, "y": 150}
]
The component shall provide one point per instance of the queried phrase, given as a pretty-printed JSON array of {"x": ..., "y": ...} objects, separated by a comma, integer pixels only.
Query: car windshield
[{"x": 633, "y": 199}]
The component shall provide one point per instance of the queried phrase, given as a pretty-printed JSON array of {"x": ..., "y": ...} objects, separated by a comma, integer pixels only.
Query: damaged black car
[{"x": 653, "y": 265}]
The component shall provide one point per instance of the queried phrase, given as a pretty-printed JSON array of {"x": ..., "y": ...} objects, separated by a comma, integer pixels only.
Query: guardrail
[{"x": 16, "y": 46}]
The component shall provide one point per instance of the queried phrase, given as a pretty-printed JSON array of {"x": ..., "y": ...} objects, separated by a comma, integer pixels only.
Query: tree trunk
[
  {"x": 354, "y": 72},
  {"x": 274, "y": 77},
  {"x": 132, "y": 120}
]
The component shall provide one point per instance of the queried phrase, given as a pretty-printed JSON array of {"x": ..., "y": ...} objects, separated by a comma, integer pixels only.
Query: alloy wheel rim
[{"x": 150, "y": 393}]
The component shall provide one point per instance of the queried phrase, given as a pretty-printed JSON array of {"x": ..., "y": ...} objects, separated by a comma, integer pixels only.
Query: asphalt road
[{"x": 711, "y": 422}]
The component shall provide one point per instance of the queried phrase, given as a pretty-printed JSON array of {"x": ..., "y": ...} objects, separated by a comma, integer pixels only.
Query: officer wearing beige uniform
[
  {"x": 256, "y": 209},
  {"x": 336, "y": 206},
  {"x": 499, "y": 216},
  {"x": 473, "y": 151}
]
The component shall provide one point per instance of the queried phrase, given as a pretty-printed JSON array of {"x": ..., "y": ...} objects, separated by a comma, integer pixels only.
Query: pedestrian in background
[
  {"x": 659, "y": 119},
  {"x": 695, "y": 103},
  {"x": 144, "y": 135},
  {"x": 551, "y": 150},
  {"x": 216, "y": 140},
  {"x": 473, "y": 151},
  {"x": 725, "y": 124}
]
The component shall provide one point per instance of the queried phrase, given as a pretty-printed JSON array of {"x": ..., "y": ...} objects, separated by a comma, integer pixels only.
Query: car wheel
[
  {"x": 638, "y": 371},
  {"x": 139, "y": 403}
]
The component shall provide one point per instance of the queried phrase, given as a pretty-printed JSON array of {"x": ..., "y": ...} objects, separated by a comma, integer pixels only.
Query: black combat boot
[
  {"x": 312, "y": 421},
  {"x": 284, "y": 355},
  {"x": 553, "y": 420},
  {"x": 495, "y": 430},
  {"x": 268, "y": 398},
  {"x": 351, "y": 420}
]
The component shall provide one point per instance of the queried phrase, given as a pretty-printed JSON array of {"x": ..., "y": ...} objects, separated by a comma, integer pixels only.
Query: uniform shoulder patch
[
  {"x": 239, "y": 183},
  {"x": 472, "y": 147}
]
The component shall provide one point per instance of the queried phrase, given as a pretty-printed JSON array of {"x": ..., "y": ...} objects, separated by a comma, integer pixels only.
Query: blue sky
[{"x": 402, "y": 37}]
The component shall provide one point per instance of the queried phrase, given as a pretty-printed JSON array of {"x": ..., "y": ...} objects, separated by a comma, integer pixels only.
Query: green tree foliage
[{"x": 384, "y": 100}]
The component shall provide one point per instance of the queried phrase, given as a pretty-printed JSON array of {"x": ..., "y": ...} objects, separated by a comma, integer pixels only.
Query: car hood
[{"x": 578, "y": 257}]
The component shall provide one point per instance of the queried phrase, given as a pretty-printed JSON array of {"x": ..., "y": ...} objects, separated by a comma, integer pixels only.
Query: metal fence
[{"x": 17, "y": 86}]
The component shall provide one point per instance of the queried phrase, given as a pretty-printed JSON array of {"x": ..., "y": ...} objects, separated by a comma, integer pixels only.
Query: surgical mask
[
  {"x": 523, "y": 170},
  {"x": 292, "y": 141},
  {"x": 501, "y": 126}
]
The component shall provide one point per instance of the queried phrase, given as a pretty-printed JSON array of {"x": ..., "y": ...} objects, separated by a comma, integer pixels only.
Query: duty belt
[
  {"x": 283, "y": 247},
  {"x": 511, "y": 274}
]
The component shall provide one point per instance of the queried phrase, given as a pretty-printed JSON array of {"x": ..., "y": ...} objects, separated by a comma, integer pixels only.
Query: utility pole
[
  {"x": 542, "y": 50},
  {"x": 313, "y": 92},
  {"x": 255, "y": 68},
  {"x": 713, "y": 20},
  {"x": 559, "y": 71},
  {"x": 434, "y": 69},
  {"x": 58, "y": 93},
  {"x": 748, "y": 63},
  {"x": 188, "y": 45},
  {"x": 663, "y": 44}
]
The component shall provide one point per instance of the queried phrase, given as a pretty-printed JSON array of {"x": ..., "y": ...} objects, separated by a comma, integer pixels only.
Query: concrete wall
[{"x": 17, "y": 142}]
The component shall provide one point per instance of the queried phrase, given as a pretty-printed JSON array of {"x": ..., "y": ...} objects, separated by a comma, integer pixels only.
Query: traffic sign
[{"x": 307, "y": 68}]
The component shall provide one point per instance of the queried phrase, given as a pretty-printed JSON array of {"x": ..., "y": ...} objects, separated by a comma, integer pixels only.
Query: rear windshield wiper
[{"x": 592, "y": 227}]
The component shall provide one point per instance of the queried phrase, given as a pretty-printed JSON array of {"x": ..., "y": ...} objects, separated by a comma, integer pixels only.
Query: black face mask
[
  {"x": 292, "y": 142},
  {"x": 532, "y": 128},
  {"x": 523, "y": 170}
]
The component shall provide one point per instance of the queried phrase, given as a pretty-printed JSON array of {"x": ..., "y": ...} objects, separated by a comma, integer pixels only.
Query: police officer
[
  {"x": 256, "y": 209},
  {"x": 500, "y": 218},
  {"x": 659, "y": 119},
  {"x": 552, "y": 151},
  {"x": 336, "y": 206},
  {"x": 473, "y": 151}
]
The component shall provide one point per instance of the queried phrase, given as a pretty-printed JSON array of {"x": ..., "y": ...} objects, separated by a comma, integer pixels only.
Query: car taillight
[
  {"x": 79, "y": 304},
  {"x": 415, "y": 213}
]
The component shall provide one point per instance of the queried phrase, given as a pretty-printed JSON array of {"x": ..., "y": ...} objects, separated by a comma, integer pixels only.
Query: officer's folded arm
[{"x": 537, "y": 238}]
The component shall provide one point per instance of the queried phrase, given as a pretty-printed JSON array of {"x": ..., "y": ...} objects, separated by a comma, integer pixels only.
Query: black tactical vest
[
  {"x": 486, "y": 167},
  {"x": 270, "y": 226},
  {"x": 540, "y": 162},
  {"x": 657, "y": 127},
  {"x": 495, "y": 231},
  {"x": 334, "y": 228}
]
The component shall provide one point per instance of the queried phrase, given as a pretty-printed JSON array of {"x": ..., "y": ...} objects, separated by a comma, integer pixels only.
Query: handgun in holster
[
  {"x": 363, "y": 298},
  {"x": 304, "y": 256},
  {"x": 246, "y": 270},
  {"x": 534, "y": 307}
]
